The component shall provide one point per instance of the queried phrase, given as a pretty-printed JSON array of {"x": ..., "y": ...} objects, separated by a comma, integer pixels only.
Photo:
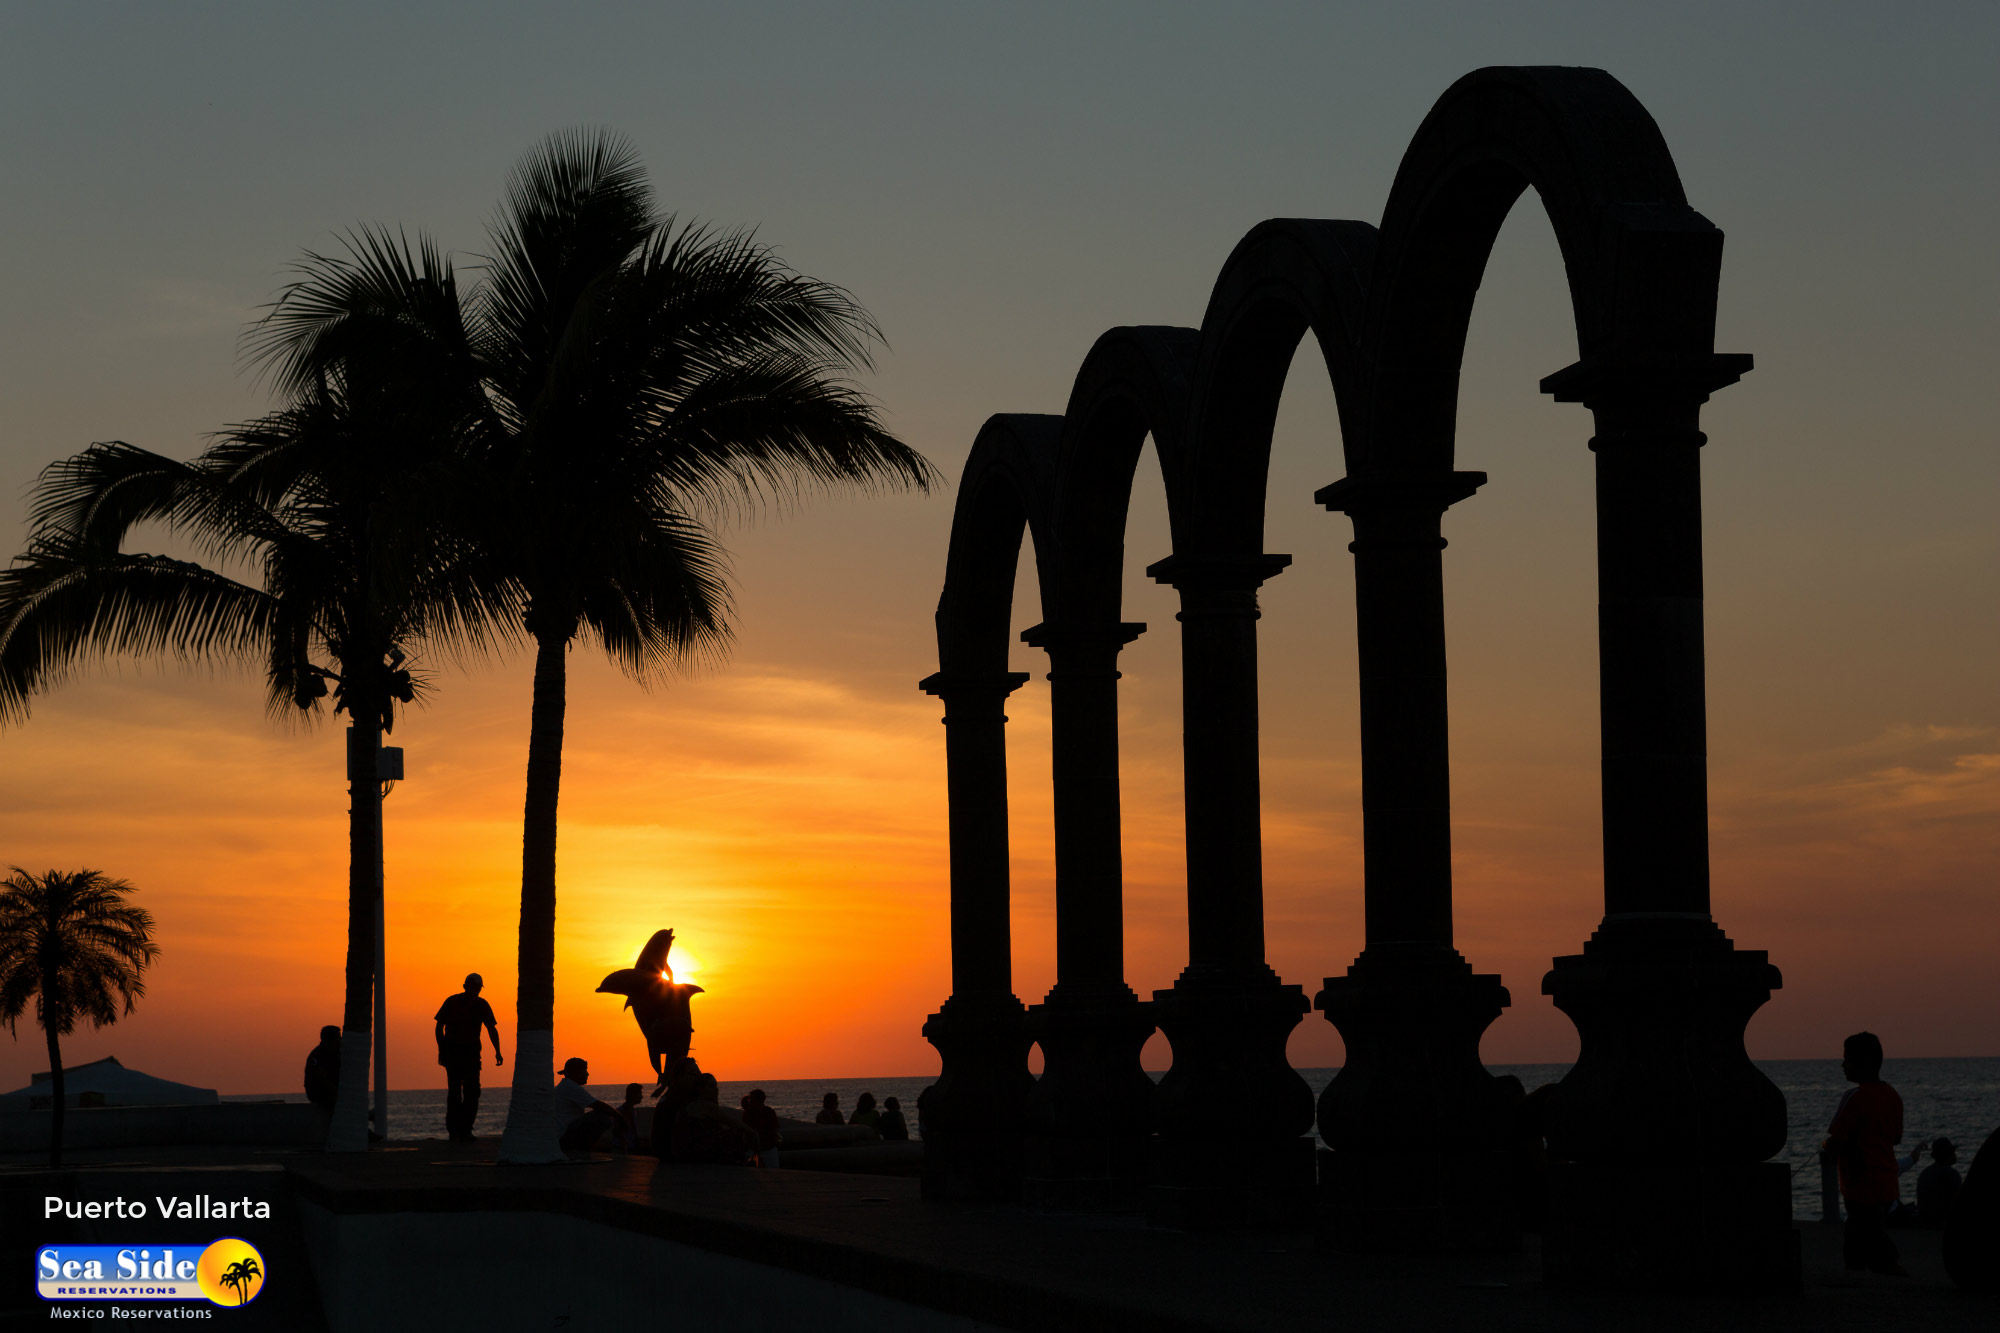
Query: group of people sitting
[
  {"x": 887, "y": 1122},
  {"x": 689, "y": 1125}
]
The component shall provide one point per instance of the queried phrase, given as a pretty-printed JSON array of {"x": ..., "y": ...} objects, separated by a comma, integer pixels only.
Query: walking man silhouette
[{"x": 459, "y": 1019}]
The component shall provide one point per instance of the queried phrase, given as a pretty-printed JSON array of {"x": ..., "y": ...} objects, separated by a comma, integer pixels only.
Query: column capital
[
  {"x": 1592, "y": 382},
  {"x": 1111, "y": 635},
  {"x": 947, "y": 685},
  {"x": 1371, "y": 492},
  {"x": 1244, "y": 572}
]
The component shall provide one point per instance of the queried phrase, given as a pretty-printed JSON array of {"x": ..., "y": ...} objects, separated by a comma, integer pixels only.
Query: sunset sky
[{"x": 999, "y": 185}]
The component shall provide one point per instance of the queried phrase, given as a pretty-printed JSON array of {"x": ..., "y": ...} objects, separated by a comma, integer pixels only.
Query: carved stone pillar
[
  {"x": 1228, "y": 1015},
  {"x": 1092, "y": 1108},
  {"x": 1416, "y": 1129},
  {"x": 975, "y": 1111},
  {"x": 1659, "y": 995}
]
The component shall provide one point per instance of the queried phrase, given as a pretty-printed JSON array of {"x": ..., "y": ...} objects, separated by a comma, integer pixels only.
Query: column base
[
  {"x": 1418, "y": 1130},
  {"x": 1229, "y": 1064},
  {"x": 1636, "y": 1226},
  {"x": 1225, "y": 1184},
  {"x": 976, "y": 1112},
  {"x": 1092, "y": 1110},
  {"x": 1661, "y": 1005},
  {"x": 1417, "y": 1202}
]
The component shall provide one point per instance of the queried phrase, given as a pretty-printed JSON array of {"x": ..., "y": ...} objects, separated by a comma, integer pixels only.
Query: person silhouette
[
  {"x": 459, "y": 1020},
  {"x": 585, "y": 1118},
  {"x": 323, "y": 1068},
  {"x": 763, "y": 1121},
  {"x": 1863, "y": 1138},
  {"x": 829, "y": 1111},
  {"x": 892, "y": 1127},
  {"x": 1938, "y": 1185},
  {"x": 865, "y": 1112}
]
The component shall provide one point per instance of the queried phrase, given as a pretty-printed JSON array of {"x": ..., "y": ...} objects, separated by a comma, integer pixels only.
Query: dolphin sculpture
[{"x": 658, "y": 1002}]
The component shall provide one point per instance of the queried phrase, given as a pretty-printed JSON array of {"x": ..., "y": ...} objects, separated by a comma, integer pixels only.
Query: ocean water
[{"x": 1956, "y": 1098}]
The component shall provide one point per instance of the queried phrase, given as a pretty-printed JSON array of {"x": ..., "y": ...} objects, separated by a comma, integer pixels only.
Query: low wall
[
  {"x": 228, "y": 1124},
  {"x": 507, "y": 1270}
]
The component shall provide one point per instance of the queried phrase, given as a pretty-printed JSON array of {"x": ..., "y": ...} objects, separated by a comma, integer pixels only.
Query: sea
[{"x": 1958, "y": 1099}]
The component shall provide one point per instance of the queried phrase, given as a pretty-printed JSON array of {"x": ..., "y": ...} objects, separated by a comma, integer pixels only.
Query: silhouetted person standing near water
[
  {"x": 1863, "y": 1137},
  {"x": 323, "y": 1068},
  {"x": 459, "y": 1020}
]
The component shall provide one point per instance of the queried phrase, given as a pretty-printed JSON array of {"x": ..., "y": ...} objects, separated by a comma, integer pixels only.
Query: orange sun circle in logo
[{"x": 230, "y": 1272}]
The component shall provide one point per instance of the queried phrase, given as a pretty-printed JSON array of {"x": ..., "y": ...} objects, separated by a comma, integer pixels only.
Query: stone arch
[
  {"x": 1131, "y": 386},
  {"x": 975, "y": 1111}
]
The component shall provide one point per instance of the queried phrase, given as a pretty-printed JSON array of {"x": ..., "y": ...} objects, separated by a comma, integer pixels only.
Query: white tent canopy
[{"x": 117, "y": 1085}]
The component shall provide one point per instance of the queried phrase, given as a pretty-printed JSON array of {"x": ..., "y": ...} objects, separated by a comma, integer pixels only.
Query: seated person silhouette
[
  {"x": 584, "y": 1118},
  {"x": 865, "y": 1112},
  {"x": 704, "y": 1130},
  {"x": 1938, "y": 1185},
  {"x": 659, "y": 1004},
  {"x": 625, "y": 1129},
  {"x": 829, "y": 1111},
  {"x": 763, "y": 1121},
  {"x": 323, "y": 1069},
  {"x": 892, "y": 1127}
]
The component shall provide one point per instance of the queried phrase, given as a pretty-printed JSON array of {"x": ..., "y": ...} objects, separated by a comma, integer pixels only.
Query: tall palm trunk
[
  {"x": 531, "y": 1134},
  {"x": 56, "y": 1079},
  {"x": 349, "y": 1132}
]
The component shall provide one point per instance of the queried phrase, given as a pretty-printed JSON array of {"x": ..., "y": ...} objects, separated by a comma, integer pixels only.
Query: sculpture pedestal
[
  {"x": 1417, "y": 1130},
  {"x": 1232, "y": 1109},
  {"x": 1662, "y": 1127},
  {"x": 975, "y": 1112},
  {"x": 1091, "y": 1111},
  {"x": 1638, "y": 1226}
]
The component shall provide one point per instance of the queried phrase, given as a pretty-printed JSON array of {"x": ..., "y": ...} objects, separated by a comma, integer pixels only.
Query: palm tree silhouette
[
  {"x": 240, "y": 1275},
  {"x": 331, "y": 498},
  {"x": 70, "y": 942},
  {"x": 641, "y": 377}
]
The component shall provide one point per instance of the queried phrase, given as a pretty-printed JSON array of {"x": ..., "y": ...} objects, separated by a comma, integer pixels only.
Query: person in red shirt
[{"x": 1863, "y": 1138}]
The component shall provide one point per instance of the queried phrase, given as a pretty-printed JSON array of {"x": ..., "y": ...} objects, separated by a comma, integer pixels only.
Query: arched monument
[{"x": 1659, "y": 995}]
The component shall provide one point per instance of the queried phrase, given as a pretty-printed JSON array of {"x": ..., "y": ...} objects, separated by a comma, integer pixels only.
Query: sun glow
[{"x": 684, "y": 966}]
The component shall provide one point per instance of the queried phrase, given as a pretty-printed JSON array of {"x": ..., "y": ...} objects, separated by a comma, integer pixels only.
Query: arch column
[
  {"x": 1414, "y": 1125},
  {"x": 1228, "y": 1015},
  {"x": 1092, "y": 1108},
  {"x": 974, "y": 1112},
  {"x": 1660, "y": 996}
]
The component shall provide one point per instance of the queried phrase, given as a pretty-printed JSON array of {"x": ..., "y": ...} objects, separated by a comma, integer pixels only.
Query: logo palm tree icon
[{"x": 241, "y": 1275}]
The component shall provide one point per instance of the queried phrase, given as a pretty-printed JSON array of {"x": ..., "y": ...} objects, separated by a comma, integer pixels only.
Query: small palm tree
[{"x": 72, "y": 944}]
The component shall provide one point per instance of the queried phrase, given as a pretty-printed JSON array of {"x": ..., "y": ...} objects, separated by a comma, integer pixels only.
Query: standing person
[
  {"x": 459, "y": 1019},
  {"x": 829, "y": 1111},
  {"x": 323, "y": 1068},
  {"x": 892, "y": 1127},
  {"x": 764, "y": 1122},
  {"x": 1863, "y": 1137}
]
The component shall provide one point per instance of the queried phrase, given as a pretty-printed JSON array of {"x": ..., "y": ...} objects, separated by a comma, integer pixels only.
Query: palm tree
[
  {"x": 71, "y": 943},
  {"x": 240, "y": 1275},
  {"x": 636, "y": 377},
  {"x": 333, "y": 498},
  {"x": 644, "y": 374}
]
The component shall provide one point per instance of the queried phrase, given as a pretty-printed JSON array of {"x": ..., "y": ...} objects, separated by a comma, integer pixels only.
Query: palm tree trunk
[
  {"x": 531, "y": 1134},
  {"x": 349, "y": 1132},
  {"x": 55, "y": 1079}
]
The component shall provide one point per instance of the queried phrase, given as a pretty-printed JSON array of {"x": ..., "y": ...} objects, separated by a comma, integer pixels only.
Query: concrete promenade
[{"x": 443, "y": 1237}]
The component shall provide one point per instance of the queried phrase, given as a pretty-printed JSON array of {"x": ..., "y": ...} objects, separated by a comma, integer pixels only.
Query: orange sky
[{"x": 999, "y": 192}]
